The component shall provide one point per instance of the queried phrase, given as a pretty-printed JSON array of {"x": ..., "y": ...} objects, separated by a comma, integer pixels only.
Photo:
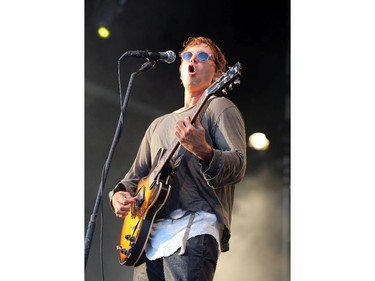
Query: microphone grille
[{"x": 171, "y": 56}]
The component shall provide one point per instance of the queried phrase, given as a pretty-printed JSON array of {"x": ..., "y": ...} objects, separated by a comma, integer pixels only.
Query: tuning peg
[
  {"x": 224, "y": 91},
  {"x": 237, "y": 81}
]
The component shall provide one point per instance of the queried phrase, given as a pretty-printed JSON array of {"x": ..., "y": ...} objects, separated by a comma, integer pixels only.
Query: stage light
[
  {"x": 106, "y": 12},
  {"x": 103, "y": 32},
  {"x": 258, "y": 141}
]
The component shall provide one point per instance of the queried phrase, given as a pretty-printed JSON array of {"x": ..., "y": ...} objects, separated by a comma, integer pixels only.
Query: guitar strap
[{"x": 186, "y": 235}]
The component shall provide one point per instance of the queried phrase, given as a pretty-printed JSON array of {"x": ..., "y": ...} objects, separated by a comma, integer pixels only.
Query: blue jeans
[{"x": 197, "y": 264}]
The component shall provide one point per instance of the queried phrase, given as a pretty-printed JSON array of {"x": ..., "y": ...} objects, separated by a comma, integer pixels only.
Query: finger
[
  {"x": 180, "y": 129},
  {"x": 121, "y": 215},
  {"x": 178, "y": 135},
  {"x": 127, "y": 202},
  {"x": 187, "y": 121},
  {"x": 122, "y": 211},
  {"x": 181, "y": 124},
  {"x": 130, "y": 198},
  {"x": 198, "y": 122}
]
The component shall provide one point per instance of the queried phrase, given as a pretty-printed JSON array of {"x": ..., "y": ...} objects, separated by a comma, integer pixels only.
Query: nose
[{"x": 194, "y": 57}]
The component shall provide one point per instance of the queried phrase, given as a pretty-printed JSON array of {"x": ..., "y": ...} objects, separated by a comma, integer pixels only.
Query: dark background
[{"x": 256, "y": 34}]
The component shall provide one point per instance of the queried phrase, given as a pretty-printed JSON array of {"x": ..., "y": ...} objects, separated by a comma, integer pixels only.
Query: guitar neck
[{"x": 167, "y": 156}]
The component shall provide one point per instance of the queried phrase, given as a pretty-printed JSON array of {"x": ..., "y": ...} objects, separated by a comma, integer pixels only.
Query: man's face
[{"x": 197, "y": 75}]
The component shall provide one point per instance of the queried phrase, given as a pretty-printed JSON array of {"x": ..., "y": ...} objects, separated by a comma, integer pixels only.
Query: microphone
[{"x": 167, "y": 56}]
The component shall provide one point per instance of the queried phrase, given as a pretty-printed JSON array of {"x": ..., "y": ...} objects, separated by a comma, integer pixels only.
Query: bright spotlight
[
  {"x": 259, "y": 141},
  {"x": 106, "y": 12},
  {"x": 103, "y": 32}
]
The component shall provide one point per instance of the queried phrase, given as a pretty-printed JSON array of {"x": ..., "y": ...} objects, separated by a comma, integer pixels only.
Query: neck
[{"x": 192, "y": 98}]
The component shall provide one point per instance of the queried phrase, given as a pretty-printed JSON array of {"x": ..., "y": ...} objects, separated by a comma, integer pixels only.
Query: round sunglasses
[{"x": 202, "y": 56}]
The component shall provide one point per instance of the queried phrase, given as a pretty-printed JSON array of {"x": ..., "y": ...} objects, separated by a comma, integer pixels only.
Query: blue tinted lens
[
  {"x": 203, "y": 56},
  {"x": 186, "y": 55}
]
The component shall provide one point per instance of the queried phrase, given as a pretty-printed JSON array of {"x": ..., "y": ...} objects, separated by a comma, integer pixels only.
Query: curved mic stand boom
[{"x": 123, "y": 103}]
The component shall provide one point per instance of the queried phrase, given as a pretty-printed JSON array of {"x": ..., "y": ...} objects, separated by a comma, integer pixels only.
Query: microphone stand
[{"x": 123, "y": 103}]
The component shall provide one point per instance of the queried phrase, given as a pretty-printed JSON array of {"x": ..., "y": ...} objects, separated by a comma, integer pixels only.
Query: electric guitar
[{"x": 153, "y": 190}]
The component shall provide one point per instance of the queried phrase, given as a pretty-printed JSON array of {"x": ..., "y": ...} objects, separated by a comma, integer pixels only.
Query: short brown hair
[{"x": 218, "y": 56}]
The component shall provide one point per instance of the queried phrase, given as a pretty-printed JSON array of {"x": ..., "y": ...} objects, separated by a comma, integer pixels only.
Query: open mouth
[{"x": 191, "y": 69}]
